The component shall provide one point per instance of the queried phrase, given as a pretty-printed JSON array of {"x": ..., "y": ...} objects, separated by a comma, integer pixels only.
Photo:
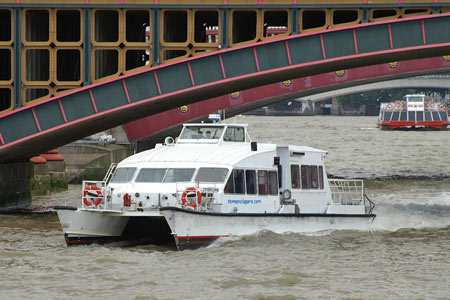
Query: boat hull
[
  {"x": 434, "y": 125},
  {"x": 85, "y": 227},
  {"x": 193, "y": 229}
]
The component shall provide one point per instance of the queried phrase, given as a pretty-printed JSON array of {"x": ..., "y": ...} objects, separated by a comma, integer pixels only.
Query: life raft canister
[
  {"x": 191, "y": 192},
  {"x": 91, "y": 192}
]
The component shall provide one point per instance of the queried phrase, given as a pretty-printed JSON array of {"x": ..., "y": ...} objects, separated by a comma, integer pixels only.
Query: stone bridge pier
[{"x": 15, "y": 188}]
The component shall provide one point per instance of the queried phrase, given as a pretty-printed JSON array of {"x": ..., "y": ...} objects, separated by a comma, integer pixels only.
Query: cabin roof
[{"x": 224, "y": 153}]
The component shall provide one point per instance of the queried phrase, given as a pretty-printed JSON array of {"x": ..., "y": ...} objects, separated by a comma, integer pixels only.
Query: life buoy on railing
[
  {"x": 389, "y": 106},
  {"x": 191, "y": 192},
  {"x": 90, "y": 193}
]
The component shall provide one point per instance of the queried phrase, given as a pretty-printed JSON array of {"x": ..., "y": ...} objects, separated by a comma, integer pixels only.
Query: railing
[
  {"x": 350, "y": 192},
  {"x": 109, "y": 174},
  {"x": 347, "y": 192}
]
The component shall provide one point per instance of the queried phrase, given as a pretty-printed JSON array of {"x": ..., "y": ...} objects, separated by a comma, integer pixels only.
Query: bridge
[
  {"x": 430, "y": 81},
  {"x": 167, "y": 123},
  {"x": 33, "y": 129}
]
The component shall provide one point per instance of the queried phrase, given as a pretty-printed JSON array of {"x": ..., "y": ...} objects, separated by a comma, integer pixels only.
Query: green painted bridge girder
[{"x": 37, "y": 128}]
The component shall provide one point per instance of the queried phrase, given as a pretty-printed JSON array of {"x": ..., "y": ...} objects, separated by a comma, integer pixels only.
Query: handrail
[{"x": 371, "y": 204}]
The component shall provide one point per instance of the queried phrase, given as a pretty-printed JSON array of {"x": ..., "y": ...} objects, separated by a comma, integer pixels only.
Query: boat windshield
[
  {"x": 165, "y": 175},
  {"x": 123, "y": 174},
  {"x": 211, "y": 175},
  {"x": 201, "y": 132},
  {"x": 414, "y": 98}
]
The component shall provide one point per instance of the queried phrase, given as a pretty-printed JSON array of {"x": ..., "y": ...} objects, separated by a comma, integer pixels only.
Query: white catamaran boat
[{"x": 214, "y": 183}]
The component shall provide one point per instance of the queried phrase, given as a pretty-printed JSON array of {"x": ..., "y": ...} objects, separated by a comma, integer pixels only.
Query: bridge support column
[
  {"x": 15, "y": 189},
  {"x": 336, "y": 108},
  {"x": 308, "y": 107}
]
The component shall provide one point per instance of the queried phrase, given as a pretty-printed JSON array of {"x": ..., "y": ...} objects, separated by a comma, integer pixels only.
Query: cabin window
[
  {"x": 151, "y": 175},
  {"x": 201, "y": 132},
  {"x": 321, "y": 178},
  {"x": 267, "y": 182},
  {"x": 177, "y": 175},
  {"x": 234, "y": 134},
  {"x": 250, "y": 182},
  {"x": 123, "y": 174},
  {"x": 295, "y": 176},
  {"x": 273, "y": 183},
  {"x": 314, "y": 179},
  {"x": 211, "y": 175},
  {"x": 235, "y": 184},
  {"x": 263, "y": 182},
  {"x": 306, "y": 182}
]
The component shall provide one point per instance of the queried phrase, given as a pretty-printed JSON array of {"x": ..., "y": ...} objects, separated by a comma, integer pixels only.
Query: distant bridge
[
  {"x": 413, "y": 82},
  {"x": 37, "y": 128}
]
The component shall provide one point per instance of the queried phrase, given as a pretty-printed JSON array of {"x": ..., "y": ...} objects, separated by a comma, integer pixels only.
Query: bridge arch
[{"x": 33, "y": 129}]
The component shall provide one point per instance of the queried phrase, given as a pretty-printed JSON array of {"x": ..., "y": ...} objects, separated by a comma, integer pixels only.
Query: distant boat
[{"x": 413, "y": 112}]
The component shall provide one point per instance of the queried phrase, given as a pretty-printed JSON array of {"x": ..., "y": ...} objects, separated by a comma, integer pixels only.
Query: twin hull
[{"x": 191, "y": 229}]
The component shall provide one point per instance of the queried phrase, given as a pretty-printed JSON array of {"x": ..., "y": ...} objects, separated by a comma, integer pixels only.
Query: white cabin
[{"x": 231, "y": 173}]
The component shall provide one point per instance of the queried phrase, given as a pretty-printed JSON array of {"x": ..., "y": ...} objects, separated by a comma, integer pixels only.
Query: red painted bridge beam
[{"x": 46, "y": 125}]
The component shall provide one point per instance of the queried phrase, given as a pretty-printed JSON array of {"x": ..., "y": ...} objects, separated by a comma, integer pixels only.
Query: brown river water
[{"x": 405, "y": 256}]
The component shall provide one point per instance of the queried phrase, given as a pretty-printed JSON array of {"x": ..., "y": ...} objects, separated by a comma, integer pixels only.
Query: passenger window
[
  {"x": 314, "y": 179},
  {"x": 176, "y": 175},
  {"x": 211, "y": 175},
  {"x": 273, "y": 183},
  {"x": 234, "y": 134},
  {"x": 229, "y": 187},
  {"x": 151, "y": 175},
  {"x": 321, "y": 177},
  {"x": 306, "y": 182},
  {"x": 123, "y": 174},
  {"x": 295, "y": 176},
  {"x": 238, "y": 181},
  {"x": 235, "y": 184},
  {"x": 263, "y": 182},
  {"x": 250, "y": 181}
]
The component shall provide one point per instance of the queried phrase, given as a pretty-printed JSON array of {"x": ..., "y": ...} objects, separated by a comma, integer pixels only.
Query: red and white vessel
[
  {"x": 413, "y": 112},
  {"x": 214, "y": 182}
]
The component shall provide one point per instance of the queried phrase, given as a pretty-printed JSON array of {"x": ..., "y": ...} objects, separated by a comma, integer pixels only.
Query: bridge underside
[
  {"x": 61, "y": 120},
  {"x": 316, "y": 88}
]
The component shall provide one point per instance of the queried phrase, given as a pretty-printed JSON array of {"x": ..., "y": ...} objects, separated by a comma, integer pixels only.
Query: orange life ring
[
  {"x": 87, "y": 195},
  {"x": 403, "y": 105},
  {"x": 389, "y": 106},
  {"x": 189, "y": 192}
]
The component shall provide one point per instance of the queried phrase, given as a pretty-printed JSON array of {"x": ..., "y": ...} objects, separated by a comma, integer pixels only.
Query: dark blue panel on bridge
[
  {"x": 269, "y": 61},
  {"x": 22, "y": 123},
  {"x": 238, "y": 63},
  {"x": 49, "y": 115},
  {"x": 339, "y": 43},
  {"x": 305, "y": 50},
  {"x": 366, "y": 41},
  {"x": 206, "y": 70},
  {"x": 109, "y": 96},
  {"x": 141, "y": 86},
  {"x": 174, "y": 79},
  {"x": 407, "y": 34},
  {"x": 77, "y": 106},
  {"x": 436, "y": 30}
]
